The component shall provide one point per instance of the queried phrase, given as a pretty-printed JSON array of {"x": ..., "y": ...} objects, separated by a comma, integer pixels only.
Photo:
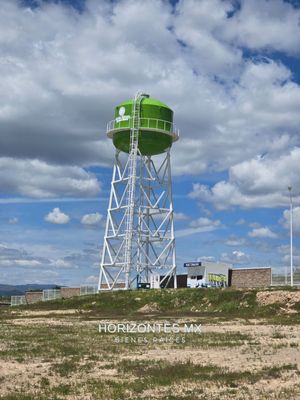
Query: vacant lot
[{"x": 249, "y": 347}]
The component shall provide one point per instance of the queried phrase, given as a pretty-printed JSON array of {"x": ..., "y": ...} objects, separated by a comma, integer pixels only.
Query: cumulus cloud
[
  {"x": 205, "y": 222},
  {"x": 8, "y": 256},
  {"x": 235, "y": 241},
  {"x": 218, "y": 29},
  {"x": 179, "y": 216},
  {"x": 200, "y": 35},
  {"x": 259, "y": 182},
  {"x": 236, "y": 257},
  {"x": 261, "y": 24},
  {"x": 14, "y": 257},
  {"x": 88, "y": 257},
  {"x": 285, "y": 220},
  {"x": 62, "y": 79},
  {"x": 207, "y": 258},
  {"x": 199, "y": 225},
  {"x": 38, "y": 179},
  {"x": 284, "y": 250},
  {"x": 263, "y": 232},
  {"x": 57, "y": 217},
  {"x": 92, "y": 219},
  {"x": 60, "y": 263}
]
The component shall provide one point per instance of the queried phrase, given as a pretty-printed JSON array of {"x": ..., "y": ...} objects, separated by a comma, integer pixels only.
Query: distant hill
[{"x": 15, "y": 290}]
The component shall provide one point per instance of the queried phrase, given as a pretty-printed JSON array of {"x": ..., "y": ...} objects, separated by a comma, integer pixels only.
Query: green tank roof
[{"x": 147, "y": 101}]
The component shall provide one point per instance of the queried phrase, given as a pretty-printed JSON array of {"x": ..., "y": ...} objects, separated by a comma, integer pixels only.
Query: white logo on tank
[
  {"x": 122, "y": 111},
  {"x": 122, "y": 116}
]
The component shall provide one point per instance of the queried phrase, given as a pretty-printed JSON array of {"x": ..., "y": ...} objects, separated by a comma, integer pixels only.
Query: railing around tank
[{"x": 147, "y": 123}]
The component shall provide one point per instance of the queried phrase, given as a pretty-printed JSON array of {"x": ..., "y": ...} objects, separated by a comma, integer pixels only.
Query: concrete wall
[
  {"x": 117, "y": 286},
  {"x": 69, "y": 292},
  {"x": 251, "y": 277},
  {"x": 33, "y": 297}
]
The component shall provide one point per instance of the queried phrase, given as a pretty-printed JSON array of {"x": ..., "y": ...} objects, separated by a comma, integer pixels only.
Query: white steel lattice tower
[{"x": 139, "y": 235}]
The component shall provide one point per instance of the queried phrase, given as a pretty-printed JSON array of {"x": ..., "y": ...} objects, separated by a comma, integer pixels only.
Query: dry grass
[{"x": 59, "y": 354}]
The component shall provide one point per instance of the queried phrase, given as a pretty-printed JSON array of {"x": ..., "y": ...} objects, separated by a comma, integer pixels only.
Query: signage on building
[{"x": 192, "y": 264}]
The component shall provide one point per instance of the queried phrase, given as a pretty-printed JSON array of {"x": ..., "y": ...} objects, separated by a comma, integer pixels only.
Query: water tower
[{"x": 139, "y": 235}]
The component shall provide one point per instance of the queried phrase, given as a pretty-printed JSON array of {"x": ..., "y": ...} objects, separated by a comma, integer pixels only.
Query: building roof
[{"x": 245, "y": 269}]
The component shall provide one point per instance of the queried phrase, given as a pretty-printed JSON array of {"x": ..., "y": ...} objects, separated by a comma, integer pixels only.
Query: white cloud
[
  {"x": 62, "y": 80},
  {"x": 37, "y": 179},
  {"x": 13, "y": 257},
  {"x": 18, "y": 257},
  {"x": 285, "y": 221},
  {"x": 21, "y": 263},
  {"x": 179, "y": 216},
  {"x": 205, "y": 222},
  {"x": 193, "y": 231},
  {"x": 284, "y": 250},
  {"x": 236, "y": 257},
  {"x": 13, "y": 220},
  {"x": 199, "y": 225},
  {"x": 261, "y": 24},
  {"x": 60, "y": 263},
  {"x": 197, "y": 24},
  {"x": 235, "y": 241},
  {"x": 259, "y": 182},
  {"x": 263, "y": 232},
  {"x": 91, "y": 219},
  {"x": 206, "y": 258},
  {"x": 57, "y": 217}
]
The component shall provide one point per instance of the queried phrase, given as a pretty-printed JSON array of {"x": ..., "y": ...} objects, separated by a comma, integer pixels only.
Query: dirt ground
[{"x": 236, "y": 346}]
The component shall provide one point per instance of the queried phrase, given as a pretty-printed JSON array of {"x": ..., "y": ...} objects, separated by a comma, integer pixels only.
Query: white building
[
  {"x": 155, "y": 281},
  {"x": 207, "y": 274}
]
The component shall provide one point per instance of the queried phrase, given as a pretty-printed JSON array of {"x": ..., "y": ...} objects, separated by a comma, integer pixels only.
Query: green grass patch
[
  {"x": 165, "y": 374},
  {"x": 227, "y": 303}
]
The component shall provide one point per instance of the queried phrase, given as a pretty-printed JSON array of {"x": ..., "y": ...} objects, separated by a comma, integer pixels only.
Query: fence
[
  {"x": 51, "y": 294},
  {"x": 88, "y": 289},
  {"x": 282, "y": 276},
  {"x": 17, "y": 300},
  {"x": 146, "y": 123}
]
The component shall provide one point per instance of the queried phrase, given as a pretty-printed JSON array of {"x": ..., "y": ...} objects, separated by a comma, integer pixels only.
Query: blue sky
[{"x": 230, "y": 70}]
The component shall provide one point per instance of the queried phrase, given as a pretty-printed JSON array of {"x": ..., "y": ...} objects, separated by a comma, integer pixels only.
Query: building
[
  {"x": 202, "y": 274},
  {"x": 160, "y": 282},
  {"x": 207, "y": 274}
]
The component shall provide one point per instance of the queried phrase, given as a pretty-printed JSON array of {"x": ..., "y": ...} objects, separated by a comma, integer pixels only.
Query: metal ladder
[{"x": 133, "y": 154}]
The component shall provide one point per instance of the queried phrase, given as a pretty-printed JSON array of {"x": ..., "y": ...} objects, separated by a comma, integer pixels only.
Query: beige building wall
[
  {"x": 69, "y": 292},
  {"x": 251, "y": 277},
  {"x": 33, "y": 297}
]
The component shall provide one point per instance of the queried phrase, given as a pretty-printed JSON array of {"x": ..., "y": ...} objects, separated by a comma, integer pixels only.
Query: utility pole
[{"x": 291, "y": 235}]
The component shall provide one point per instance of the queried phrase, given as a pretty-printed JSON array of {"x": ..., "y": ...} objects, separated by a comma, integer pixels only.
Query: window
[
  {"x": 199, "y": 277},
  {"x": 193, "y": 277}
]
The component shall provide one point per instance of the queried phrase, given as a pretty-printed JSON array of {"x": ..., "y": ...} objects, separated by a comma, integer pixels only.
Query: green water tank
[{"x": 156, "y": 128}]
